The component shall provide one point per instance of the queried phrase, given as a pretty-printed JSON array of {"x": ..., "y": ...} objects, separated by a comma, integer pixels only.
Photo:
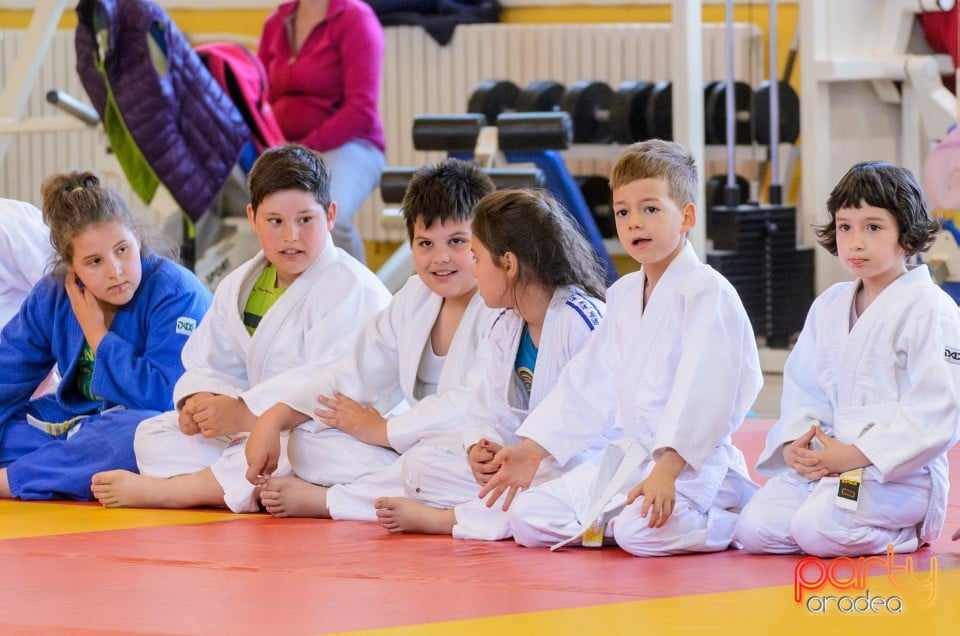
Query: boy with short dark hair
[
  {"x": 422, "y": 350},
  {"x": 290, "y": 304}
]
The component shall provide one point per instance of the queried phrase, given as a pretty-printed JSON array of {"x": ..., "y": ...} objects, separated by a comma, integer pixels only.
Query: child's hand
[
  {"x": 94, "y": 322},
  {"x": 516, "y": 466},
  {"x": 363, "y": 422},
  {"x": 263, "y": 452},
  {"x": 837, "y": 457},
  {"x": 799, "y": 457},
  {"x": 188, "y": 425},
  {"x": 220, "y": 415},
  {"x": 481, "y": 456},
  {"x": 659, "y": 490}
]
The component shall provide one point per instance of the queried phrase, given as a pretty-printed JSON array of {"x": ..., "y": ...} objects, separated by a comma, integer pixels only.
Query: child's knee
[
  {"x": 755, "y": 532},
  {"x": 528, "y": 517}
]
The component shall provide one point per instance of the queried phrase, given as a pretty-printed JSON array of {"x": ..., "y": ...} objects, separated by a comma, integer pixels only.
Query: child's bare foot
[
  {"x": 293, "y": 497},
  {"x": 399, "y": 514},
  {"x": 123, "y": 489}
]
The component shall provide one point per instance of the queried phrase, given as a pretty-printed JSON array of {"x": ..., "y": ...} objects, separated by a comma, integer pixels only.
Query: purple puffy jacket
[{"x": 185, "y": 126}]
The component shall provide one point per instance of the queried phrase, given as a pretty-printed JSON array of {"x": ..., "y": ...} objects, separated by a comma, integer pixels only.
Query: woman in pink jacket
[{"x": 324, "y": 60}]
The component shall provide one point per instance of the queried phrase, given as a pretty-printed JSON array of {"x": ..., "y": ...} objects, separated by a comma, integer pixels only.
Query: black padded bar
[
  {"x": 533, "y": 132},
  {"x": 451, "y": 133}
]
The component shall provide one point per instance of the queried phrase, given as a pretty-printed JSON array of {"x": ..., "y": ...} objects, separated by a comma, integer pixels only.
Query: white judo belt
[{"x": 616, "y": 466}]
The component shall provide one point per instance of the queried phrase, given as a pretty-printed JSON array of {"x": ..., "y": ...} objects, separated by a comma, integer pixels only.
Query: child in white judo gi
[
  {"x": 673, "y": 368},
  {"x": 291, "y": 303},
  {"x": 113, "y": 316},
  {"x": 24, "y": 254},
  {"x": 536, "y": 268},
  {"x": 421, "y": 349},
  {"x": 870, "y": 391}
]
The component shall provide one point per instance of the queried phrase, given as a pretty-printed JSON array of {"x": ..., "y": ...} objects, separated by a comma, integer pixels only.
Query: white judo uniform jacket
[
  {"x": 497, "y": 409},
  {"x": 439, "y": 474},
  {"x": 380, "y": 368},
  {"x": 680, "y": 373},
  {"x": 890, "y": 385},
  {"x": 24, "y": 254},
  {"x": 308, "y": 322}
]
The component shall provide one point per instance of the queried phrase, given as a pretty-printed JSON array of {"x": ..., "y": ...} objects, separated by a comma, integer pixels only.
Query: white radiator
[{"x": 420, "y": 76}]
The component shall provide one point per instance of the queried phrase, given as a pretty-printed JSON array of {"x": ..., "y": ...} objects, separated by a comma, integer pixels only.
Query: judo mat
[{"x": 69, "y": 569}]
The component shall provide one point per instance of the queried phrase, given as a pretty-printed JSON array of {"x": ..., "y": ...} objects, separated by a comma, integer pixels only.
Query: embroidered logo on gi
[
  {"x": 236, "y": 441},
  {"x": 952, "y": 355},
  {"x": 185, "y": 325}
]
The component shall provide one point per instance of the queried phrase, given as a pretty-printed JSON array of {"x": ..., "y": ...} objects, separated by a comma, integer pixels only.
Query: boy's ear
[
  {"x": 689, "y": 217},
  {"x": 252, "y": 217},
  {"x": 331, "y": 215}
]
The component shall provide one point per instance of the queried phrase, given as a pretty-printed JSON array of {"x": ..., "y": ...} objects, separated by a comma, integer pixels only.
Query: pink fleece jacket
[{"x": 328, "y": 92}]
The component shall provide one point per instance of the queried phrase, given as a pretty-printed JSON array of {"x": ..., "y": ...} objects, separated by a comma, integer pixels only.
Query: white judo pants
[
  {"x": 325, "y": 456},
  {"x": 163, "y": 451},
  {"x": 439, "y": 475},
  {"x": 791, "y": 514},
  {"x": 354, "y": 502},
  {"x": 547, "y": 514}
]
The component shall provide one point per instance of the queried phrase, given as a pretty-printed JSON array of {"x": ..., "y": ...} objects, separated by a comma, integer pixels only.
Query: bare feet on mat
[
  {"x": 293, "y": 497},
  {"x": 123, "y": 489},
  {"x": 399, "y": 514}
]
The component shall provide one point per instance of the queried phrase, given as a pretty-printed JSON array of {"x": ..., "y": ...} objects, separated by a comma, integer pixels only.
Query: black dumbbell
[
  {"x": 628, "y": 122},
  {"x": 589, "y": 106},
  {"x": 451, "y": 133},
  {"x": 659, "y": 112},
  {"x": 492, "y": 97},
  {"x": 789, "y": 104},
  {"x": 540, "y": 96},
  {"x": 601, "y": 115},
  {"x": 715, "y": 113},
  {"x": 533, "y": 132}
]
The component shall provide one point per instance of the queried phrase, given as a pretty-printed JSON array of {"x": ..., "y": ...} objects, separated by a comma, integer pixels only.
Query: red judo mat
[{"x": 256, "y": 574}]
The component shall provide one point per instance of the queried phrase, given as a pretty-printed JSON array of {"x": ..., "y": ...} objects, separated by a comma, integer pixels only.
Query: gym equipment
[
  {"x": 659, "y": 113},
  {"x": 493, "y": 97},
  {"x": 715, "y": 112},
  {"x": 394, "y": 181},
  {"x": 452, "y": 133},
  {"x": 588, "y": 104},
  {"x": 628, "y": 110},
  {"x": 540, "y": 96},
  {"x": 527, "y": 138},
  {"x": 755, "y": 245},
  {"x": 596, "y": 192},
  {"x": 788, "y": 102}
]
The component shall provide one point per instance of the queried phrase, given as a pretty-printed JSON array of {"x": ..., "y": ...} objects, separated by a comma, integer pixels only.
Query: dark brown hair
[
  {"x": 891, "y": 188},
  {"x": 549, "y": 247},
  {"x": 289, "y": 167},
  {"x": 448, "y": 190}
]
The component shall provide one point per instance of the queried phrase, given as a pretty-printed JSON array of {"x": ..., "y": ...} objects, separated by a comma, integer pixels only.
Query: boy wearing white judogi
[
  {"x": 870, "y": 391},
  {"x": 421, "y": 350},
  {"x": 536, "y": 267},
  {"x": 673, "y": 368},
  {"x": 293, "y": 302}
]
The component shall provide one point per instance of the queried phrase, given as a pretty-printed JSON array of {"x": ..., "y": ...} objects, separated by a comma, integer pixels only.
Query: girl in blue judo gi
[{"x": 112, "y": 315}]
